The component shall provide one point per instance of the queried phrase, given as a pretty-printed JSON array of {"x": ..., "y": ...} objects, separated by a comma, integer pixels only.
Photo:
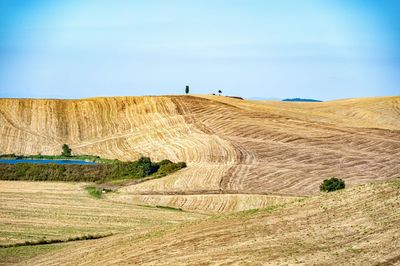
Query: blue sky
[{"x": 323, "y": 49}]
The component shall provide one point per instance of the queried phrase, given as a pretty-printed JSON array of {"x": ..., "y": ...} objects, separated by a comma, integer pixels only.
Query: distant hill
[{"x": 300, "y": 100}]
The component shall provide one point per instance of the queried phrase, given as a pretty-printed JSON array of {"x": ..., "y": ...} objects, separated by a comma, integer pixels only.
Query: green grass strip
[
  {"x": 94, "y": 192},
  {"x": 53, "y": 241}
]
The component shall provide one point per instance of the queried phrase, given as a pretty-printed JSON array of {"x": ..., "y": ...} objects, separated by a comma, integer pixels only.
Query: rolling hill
[
  {"x": 259, "y": 151},
  {"x": 250, "y": 193}
]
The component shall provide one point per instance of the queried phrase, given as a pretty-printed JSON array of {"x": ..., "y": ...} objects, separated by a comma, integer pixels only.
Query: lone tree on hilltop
[
  {"x": 332, "y": 184},
  {"x": 219, "y": 92},
  {"x": 187, "y": 89},
  {"x": 66, "y": 150}
]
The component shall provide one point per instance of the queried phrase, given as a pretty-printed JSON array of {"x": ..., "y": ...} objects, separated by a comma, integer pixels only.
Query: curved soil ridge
[{"x": 230, "y": 145}]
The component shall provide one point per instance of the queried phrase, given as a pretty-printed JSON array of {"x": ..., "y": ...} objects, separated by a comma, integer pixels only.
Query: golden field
[
  {"x": 231, "y": 145},
  {"x": 32, "y": 211},
  {"x": 358, "y": 226},
  {"x": 250, "y": 193}
]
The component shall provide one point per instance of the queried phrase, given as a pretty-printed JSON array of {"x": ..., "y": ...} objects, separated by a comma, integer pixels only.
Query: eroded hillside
[{"x": 231, "y": 146}]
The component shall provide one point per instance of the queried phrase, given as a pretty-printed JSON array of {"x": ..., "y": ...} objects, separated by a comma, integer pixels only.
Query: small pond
[{"x": 14, "y": 161}]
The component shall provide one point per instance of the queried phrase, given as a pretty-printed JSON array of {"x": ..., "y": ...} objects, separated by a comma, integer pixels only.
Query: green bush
[
  {"x": 171, "y": 167},
  {"x": 164, "y": 162},
  {"x": 332, "y": 184}
]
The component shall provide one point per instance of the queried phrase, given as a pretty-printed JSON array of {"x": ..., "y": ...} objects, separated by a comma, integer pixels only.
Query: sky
[{"x": 321, "y": 49}]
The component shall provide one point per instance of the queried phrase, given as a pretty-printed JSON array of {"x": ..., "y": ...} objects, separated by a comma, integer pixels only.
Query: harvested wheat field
[
  {"x": 250, "y": 193},
  {"x": 356, "y": 226},
  {"x": 32, "y": 211}
]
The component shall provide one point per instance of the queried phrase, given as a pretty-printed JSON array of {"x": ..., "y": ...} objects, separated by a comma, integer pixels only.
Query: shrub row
[{"x": 88, "y": 172}]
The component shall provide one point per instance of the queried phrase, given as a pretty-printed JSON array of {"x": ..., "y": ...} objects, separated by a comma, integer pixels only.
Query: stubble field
[{"x": 250, "y": 193}]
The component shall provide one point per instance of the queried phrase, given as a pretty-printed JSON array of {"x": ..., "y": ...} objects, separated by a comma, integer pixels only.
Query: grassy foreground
[
  {"x": 34, "y": 212},
  {"x": 360, "y": 225}
]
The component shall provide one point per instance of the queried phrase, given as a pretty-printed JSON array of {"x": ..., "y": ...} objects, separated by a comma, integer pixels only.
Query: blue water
[{"x": 13, "y": 161}]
